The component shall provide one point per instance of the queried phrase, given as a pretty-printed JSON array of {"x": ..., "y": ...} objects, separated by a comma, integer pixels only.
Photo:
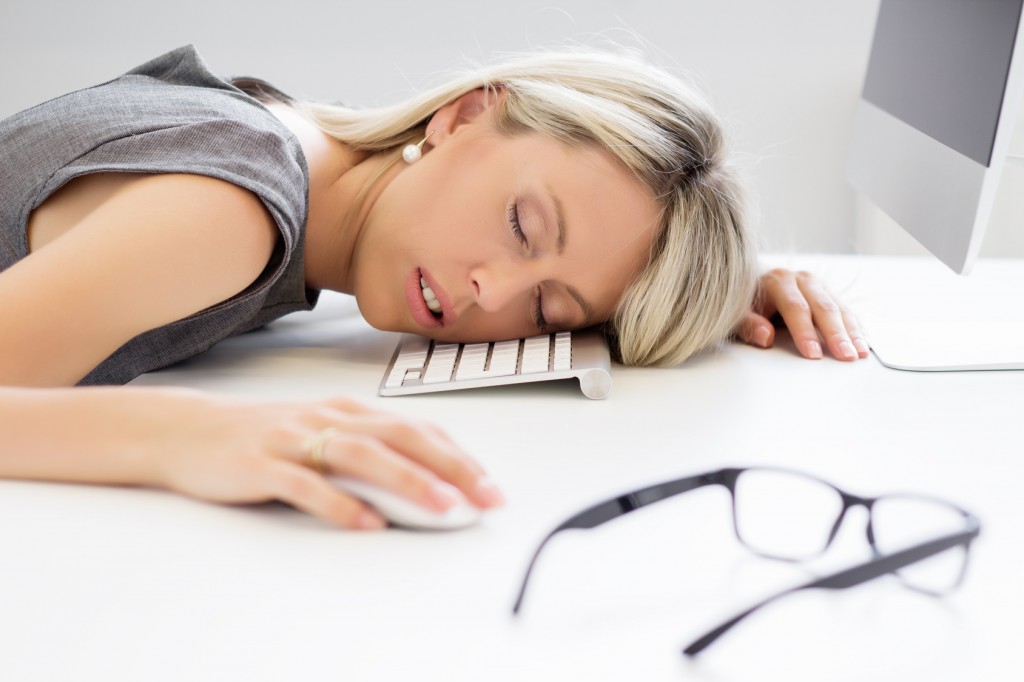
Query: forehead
[
  {"x": 590, "y": 182},
  {"x": 610, "y": 216}
]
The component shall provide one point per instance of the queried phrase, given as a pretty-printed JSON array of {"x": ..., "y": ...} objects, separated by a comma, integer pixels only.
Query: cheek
[{"x": 479, "y": 328}]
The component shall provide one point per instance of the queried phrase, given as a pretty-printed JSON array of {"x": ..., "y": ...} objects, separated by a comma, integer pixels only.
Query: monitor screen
[
  {"x": 934, "y": 122},
  {"x": 941, "y": 66}
]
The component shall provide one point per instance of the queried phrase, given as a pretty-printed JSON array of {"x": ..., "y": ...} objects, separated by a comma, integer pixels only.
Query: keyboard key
[
  {"x": 471, "y": 365},
  {"x": 442, "y": 363},
  {"x": 394, "y": 378},
  {"x": 414, "y": 345},
  {"x": 504, "y": 359},
  {"x": 536, "y": 353},
  {"x": 563, "y": 352},
  {"x": 413, "y": 355},
  {"x": 511, "y": 346}
]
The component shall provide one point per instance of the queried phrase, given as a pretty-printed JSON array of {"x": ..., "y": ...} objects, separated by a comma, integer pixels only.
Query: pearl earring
[{"x": 413, "y": 152}]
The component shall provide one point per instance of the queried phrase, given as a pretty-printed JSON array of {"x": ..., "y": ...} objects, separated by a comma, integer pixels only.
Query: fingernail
[
  {"x": 862, "y": 346},
  {"x": 847, "y": 351},
  {"x": 368, "y": 520},
  {"x": 812, "y": 349},
  {"x": 443, "y": 495},
  {"x": 488, "y": 494},
  {"x": 761, "y": 336}
]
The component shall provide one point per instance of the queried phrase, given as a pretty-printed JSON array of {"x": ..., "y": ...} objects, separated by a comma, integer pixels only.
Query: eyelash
[
  {"x": 517, "y": 231},
  {"x": 513, "y": 219},
  {"x": 538, "y": 314}
]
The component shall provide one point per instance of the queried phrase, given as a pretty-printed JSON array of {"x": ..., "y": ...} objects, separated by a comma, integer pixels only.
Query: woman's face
[{"x": 514, "y": 236}]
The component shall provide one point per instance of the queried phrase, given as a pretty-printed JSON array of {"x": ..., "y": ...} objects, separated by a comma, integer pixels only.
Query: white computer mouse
[{"x": 402, "y": 511}]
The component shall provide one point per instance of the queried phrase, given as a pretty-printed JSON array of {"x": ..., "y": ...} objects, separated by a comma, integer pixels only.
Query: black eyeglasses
[{"x": 791, "y": 516}]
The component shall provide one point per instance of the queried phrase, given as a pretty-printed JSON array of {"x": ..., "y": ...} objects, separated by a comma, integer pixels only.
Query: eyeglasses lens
[
  {"x": 903, "y": 521},
  {"x": 784, "y": 515}
]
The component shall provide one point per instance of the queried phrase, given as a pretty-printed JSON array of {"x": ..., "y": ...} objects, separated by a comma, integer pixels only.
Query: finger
[
  {"x": 370, "y": 459},
  {"x": 792, "y": 305},
  {"x": 756, "y": 330},
  {"x": 856, "y": 332},
  {"x": 348, "y": 405},
  {"x": 433, "y": 449},
  {"x": 763, "y": 303},
  {"x": 307, "y": 491},
  {"x": 827, "y": 316}
]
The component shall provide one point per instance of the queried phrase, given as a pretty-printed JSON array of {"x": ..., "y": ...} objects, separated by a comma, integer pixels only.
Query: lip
[{"x": 418, "y": 307}]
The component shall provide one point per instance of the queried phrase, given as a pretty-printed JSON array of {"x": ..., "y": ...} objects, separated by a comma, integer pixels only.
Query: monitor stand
[{"x": 942, "y": 321}]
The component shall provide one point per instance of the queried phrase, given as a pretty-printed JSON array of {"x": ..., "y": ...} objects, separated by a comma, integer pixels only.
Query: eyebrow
[
  {"x": 559, "y": 220},
  {"x": 588, "y": 310}
]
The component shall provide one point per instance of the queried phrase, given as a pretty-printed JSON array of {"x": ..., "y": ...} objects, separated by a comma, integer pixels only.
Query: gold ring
[{"x": 315, "y": 445}]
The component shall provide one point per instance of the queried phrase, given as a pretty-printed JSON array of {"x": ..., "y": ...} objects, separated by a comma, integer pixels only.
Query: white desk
[{"x": 119, "y": 584}]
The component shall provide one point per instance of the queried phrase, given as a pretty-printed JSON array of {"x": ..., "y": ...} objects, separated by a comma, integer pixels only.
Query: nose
[{"x": 496, "y": 284}]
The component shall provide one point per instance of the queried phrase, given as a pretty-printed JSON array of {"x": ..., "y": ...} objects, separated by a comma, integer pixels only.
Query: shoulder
[
  {"x": 216, "y": 229},
  {"x": 171, "y": 116},
  {"x": 181, "y": 66},
  {"x": 192, "y": 240},
  {"x": 158, "y": 249},
  {"x": 169, "y": 111}
]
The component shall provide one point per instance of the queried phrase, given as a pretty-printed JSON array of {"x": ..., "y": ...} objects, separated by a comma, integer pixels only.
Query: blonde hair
[{"x": 701, "y": 273}]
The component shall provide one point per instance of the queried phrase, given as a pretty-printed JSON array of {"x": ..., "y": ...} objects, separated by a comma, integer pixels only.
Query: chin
[{"x": 371, "y": 313}]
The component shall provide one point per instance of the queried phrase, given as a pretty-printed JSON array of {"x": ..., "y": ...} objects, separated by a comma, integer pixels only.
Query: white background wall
[{"x": 785, "y": 74}]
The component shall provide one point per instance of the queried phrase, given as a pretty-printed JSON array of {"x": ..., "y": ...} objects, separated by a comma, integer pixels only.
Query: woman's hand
[
  {"x": 234, "y": 451},
  {"x": 246, "y": 452},
  {"x": 808, "y": 311}
]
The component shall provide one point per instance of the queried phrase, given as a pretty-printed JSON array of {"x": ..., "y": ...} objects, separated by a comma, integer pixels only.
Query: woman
[{"x": 149, "y": 217}]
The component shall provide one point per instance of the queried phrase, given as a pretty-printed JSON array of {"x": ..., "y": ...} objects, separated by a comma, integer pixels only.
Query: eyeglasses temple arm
[
  {"x": 846, "y": 578},
  {"x": 606, "y": 511}
]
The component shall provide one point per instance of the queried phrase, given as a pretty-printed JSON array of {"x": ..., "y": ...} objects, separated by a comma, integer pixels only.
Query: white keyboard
[{"x": 420, "y": 365}]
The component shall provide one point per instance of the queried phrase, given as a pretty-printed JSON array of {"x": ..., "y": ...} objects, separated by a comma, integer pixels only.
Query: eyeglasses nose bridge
[{"x": 848, "y": 502}]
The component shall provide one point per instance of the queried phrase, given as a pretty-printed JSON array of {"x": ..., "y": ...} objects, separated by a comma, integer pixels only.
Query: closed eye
[
  {"x": 517, "y": 230},
  {"x": 513, "y": 221},
  {"x": 538, "y": 313}
]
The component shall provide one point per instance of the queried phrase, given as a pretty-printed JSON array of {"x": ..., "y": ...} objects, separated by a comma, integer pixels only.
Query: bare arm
[
  {"x": 231, "y": 451},
  {"x": 159, "y": 249}
]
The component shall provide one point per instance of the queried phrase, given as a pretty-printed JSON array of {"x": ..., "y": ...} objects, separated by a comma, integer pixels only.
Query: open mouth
[{"x": 433, "y": 305}]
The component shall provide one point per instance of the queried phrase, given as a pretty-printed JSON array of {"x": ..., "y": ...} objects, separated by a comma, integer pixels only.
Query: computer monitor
[{"x": 934, "y": 122}]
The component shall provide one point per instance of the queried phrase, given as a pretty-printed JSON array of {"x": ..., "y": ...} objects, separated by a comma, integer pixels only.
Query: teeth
[{"x": 429, "y": 297}]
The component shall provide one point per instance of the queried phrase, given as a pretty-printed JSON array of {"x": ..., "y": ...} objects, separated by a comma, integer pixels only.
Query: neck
[
  {"x": 338, "y": 213},
  {"x": 343, "y": 186}
]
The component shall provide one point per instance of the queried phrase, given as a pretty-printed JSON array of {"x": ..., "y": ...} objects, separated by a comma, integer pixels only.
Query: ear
[{"x": 461, "y": 111}]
